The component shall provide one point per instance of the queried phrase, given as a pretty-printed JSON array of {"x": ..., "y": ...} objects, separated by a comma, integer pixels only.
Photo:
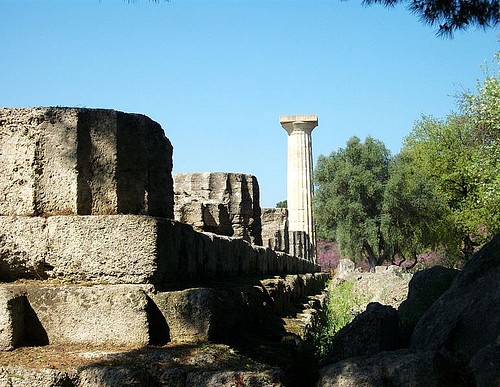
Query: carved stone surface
[
  {"x": 299, "y": 181},
  {"x": 275, "y": 228},
  {"x": 83, "y": 161},
  {"x": 222, "y": 203}
]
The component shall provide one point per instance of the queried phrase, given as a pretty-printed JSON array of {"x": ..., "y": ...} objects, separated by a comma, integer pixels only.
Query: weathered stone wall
[
  {"x": 83, "y": 161},
  {"x": 222, "y": 203},
  {"x": 130, "y": 249},
  {"x": 42, "y": 314},
  {"x": 275, "y": 228}
]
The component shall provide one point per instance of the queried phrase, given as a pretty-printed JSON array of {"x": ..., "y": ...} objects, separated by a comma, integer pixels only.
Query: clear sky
[{"x": 218, "y": 74}]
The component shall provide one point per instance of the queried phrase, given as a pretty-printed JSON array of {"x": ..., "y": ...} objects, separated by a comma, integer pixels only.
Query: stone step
[
  {"x": 211, "y": 365},
  {"x": 130, "y": 249},
  {"x": 137, "y": 315}
]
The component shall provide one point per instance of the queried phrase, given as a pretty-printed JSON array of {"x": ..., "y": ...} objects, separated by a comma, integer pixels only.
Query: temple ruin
[
  {"x": 300, "y": 184},
  {"x": 90, "y": 253}
]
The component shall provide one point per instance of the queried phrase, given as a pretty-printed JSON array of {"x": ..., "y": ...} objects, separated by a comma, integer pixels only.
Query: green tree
[
  {"x": 461, "y": 156},
  {"x": 348, "y": 200},
  {"x": 282, "y": 204},
  {"x": 450, "y": 15},
  {"x": 414, "y": 217}
]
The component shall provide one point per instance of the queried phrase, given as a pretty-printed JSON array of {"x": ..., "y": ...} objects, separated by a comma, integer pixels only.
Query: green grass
[{"x": 339, "y": 312}]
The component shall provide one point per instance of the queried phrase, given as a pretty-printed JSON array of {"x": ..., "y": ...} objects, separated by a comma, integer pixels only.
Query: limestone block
[
  {"x": 115, "y": 249},
  {"x": 275, "y": 228},
  {"x": 23, "y": 244},
  {"x": 222, "y": 203},
  {"x": 189, "y": 313},
  {"x": 112, "y": 375},
  {"x": 133, "y": 249},
  {"x": 17, "y": 376},
  {"x": 100, "y": 314},
  {"x": 83, "y": 161},
  {"x": 271, "y": 378},
  {"x": 11, "y": 318}
]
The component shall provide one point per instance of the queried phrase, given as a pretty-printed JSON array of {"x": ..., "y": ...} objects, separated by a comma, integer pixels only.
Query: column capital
[{"x": 299, "y": 122}]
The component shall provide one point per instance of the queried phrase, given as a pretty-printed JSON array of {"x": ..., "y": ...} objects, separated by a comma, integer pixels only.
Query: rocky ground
[
  {"x": 446, "y": 333},
  {"x": 387, "y": 285}
]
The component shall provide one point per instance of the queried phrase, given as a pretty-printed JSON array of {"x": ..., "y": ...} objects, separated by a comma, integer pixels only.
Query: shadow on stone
[
  {"x": 159, "y": 331},
  {"x": 35, "y": 334}
]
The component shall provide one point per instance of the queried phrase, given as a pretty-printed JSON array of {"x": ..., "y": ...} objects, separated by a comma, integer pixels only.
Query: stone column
[{"x": 300, "y": 187}]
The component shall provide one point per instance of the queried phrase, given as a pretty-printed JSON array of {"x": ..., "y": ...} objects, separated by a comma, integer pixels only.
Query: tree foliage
[
  {"x": 414, "y": 217},
  {"x": 282, "y": 204},
  {"x": 376, "y": 207},
  {"x": 450, "y": 15},
  {"x": 348, "y": 201},
  {"x": 441, "y": 192},
  {"x": 460, "y": 155}
]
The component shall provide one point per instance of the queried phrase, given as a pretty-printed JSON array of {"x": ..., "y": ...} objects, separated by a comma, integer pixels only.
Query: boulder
[
  {"x": 466, "y": 318},
  {"x": 396, "y": 368},
  {"x": 373, "y": 331},
  {"x": 425, "y": 287},
  {"x": 485, "y": 365}
]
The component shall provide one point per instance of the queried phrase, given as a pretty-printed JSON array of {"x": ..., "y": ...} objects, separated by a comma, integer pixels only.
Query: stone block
[
  {"x": 96, "y": 315},
  {"x": 114, "y": 249},
  {"x": 83, "y": 161},
  {"x": 189, "y": 313},
  {"x": 11, "y": 318},
  {"x": 271, "y": 378},
  {"x": 23, "y": 246},
  {"x": 17, "y": 376},
  {"x": 221, "y": 203},
  {"x": 275, "y": 228}
]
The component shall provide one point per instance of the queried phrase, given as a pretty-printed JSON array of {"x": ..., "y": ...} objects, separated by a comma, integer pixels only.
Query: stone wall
[
  {"x": 134, "y": 249},
  {"x": 222, "y": 203},
  {"x": 275, "y": 228},
  {"x": 83, "y": 161}
]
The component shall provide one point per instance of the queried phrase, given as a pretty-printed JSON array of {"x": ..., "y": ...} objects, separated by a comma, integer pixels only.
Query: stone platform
[
  {"x": 130, "y": 249},
  {"x": 46, "y": 313},
  {"x": 187, "y": 365}
]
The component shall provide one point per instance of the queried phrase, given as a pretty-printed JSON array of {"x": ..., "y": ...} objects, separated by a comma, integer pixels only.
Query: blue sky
[{"x": 218, "y": 74}]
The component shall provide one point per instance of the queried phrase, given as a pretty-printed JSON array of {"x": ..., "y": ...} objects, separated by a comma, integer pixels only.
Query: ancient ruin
[
  {"x": 222, "y": 203},
  {"x": 300, "y": 187},
  {"x": 91, "y": 256},
  {"x": 275, "y": 228}
]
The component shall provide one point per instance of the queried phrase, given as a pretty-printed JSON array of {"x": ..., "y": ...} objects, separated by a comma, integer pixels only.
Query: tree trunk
[
  {"x": 415, "y": 260},
  {"x": 468, "y": 248},
  {"x": 372, "y": 258}
]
